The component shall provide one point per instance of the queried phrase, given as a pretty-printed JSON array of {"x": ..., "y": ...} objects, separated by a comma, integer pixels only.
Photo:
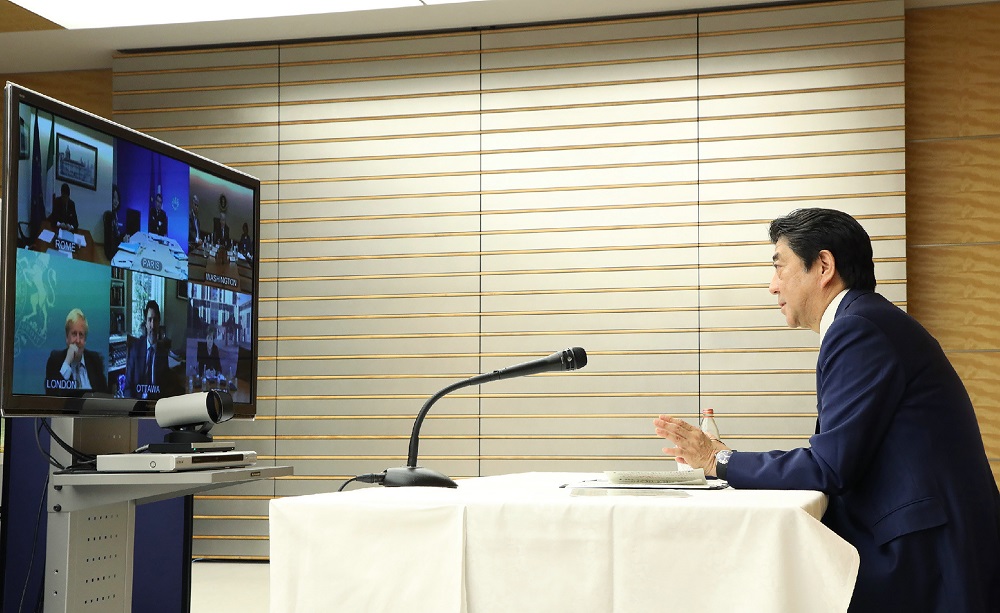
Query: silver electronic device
[
  {"x": 174, "y": 462},
  {"x": 195, "y": 409}
]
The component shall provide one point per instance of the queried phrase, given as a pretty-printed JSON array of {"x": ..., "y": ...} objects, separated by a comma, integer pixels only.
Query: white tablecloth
[{"x": 520, "y": 544}]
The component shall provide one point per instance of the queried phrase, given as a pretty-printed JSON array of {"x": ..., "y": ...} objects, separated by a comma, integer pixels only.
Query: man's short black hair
[
  {"x": 809, "y": 231},
  {"x": 151, "y": 305}
]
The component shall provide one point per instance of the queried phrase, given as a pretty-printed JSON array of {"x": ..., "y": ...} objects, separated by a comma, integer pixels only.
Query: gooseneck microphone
[{"x": 573, "y": 358}]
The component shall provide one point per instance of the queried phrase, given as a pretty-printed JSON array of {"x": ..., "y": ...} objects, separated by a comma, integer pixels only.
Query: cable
[
  {"x": 77, "y": 455},
  {"x": 40, "y": 599},
  {"x": 38, "y": 443},
  {"x": 83, "y": 461},
  {"x": 345, "y": 483},
  {"x": 88, "y": 466},
  {"x": 365, "y": 478},
  {"x": 34, "y": 541}
]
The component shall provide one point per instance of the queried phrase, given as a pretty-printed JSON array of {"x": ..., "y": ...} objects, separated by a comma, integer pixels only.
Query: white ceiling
[
  {"x": 58, "y": 50},
  {"x": 111, "y": 13}
]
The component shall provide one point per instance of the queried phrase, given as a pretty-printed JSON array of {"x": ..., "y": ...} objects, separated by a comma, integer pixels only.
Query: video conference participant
[
  {"x": 64, "y": 210},
  {"x": 209, "y": 361},
  {"x": 220, "y": 231},
  {"x": 245, "y": 245},
  {"x": 75, "y": 368},
  {"x": 157, "y": 216},
  {"x": 114, "y": 233},
  {"x": 147, "y": 368},
  {"x": 194, "y": 224},
  {"x": 221, "y": 234},
  {"x": 897, "y": 446}
]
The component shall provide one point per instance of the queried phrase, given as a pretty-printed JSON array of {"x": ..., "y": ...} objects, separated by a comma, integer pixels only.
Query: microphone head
[{"x": 574, "y": 358}]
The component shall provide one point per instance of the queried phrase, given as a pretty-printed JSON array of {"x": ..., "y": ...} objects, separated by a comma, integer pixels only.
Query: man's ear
[{"x": 828, "y": 266}]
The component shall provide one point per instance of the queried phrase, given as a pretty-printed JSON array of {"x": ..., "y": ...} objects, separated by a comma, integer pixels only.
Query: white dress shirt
[{"x": 829, "y": 314}]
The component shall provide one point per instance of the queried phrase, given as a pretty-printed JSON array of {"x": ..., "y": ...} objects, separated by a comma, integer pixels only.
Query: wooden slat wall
[
  {"x": 798, "y": 108},
  {"x": 89, "y": 90},
  {"x": 222, "y": 105},
  {"x": 953, "y": 161},
  {"x": 441, "y": 205},
  {"x": 590, "y": 238}
]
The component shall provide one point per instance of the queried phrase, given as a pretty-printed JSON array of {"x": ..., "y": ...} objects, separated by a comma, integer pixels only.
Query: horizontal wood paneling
[
  {"x": 89, "y": 90},
  {"x": 959, "y": 294},
  {"x": 13, "y": 18},
  {"x": 979, "y": 373},
  {"x": 952, "y": 74},
  {"x": 953, "y": 191},
  {"x": 953, "y": 59}
]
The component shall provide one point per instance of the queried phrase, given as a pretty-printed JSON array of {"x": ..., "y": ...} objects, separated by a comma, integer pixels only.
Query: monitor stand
[
  {"x": 91, "y": 515},
  {"x": 88, "y": 554}
]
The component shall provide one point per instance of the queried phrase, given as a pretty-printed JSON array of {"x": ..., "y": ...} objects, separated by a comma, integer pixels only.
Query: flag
[
  {"x": 50, "y": 160},
  {"x": 152, "y": 190},
  {"x": 51, "y": 154},
  {"x": 37, "y": 195},
  {"x": 155, "y": 186}
]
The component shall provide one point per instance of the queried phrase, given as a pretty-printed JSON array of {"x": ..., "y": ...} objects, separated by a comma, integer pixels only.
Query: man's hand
[
  {"x": 692, "y": 446},
  {"x": 73, "y": 355}
]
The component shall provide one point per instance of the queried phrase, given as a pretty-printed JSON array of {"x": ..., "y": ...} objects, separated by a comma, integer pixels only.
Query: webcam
[{"x": 189, "y": 417}]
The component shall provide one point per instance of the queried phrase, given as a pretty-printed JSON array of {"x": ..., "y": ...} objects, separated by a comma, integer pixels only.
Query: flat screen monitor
[{"x": 129, "y": 267}]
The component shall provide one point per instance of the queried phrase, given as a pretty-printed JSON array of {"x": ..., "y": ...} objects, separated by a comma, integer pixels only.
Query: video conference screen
[{"x": 134, "y": 270}]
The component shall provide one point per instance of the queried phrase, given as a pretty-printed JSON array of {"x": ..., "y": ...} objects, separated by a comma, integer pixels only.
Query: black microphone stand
[{"x": 411, "y": 474}]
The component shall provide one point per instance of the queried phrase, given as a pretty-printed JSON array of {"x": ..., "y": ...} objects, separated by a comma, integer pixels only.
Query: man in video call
[
  {"x": 64, "y": 210},
  {"x": 157, "y": 216},
  {"x": 75, "y": 368},
  {"x": 221, "y": 236},
  {"x": 194, "y": 224},
  {"x": 209, "y": 361},
  {"x": 147, "y": 369},
  {"x": 245, "y": 244}
]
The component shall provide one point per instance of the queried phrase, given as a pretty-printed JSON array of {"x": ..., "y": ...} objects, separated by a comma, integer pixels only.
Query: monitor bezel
[{"x": 36, "y": 405}]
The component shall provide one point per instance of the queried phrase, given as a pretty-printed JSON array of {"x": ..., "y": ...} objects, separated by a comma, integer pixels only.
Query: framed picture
[{"x": 76, "y": 162}]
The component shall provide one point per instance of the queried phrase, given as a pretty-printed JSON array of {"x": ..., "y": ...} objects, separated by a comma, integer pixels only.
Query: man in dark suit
[
  {"x": 245, "y": 244},
  {"x": 147, "y": 369},
  {"x": 209, "y": 360},
  {"x": 221, "y": 234},
  {"x": 114, "y": 233},
  {"x": 64, "y": 210},
  {"x": 897, "y": 446},
  {"x": 75, "y": 369},
  {"x": 157, "y": 216},
  {"x": 194, "y": 224}
]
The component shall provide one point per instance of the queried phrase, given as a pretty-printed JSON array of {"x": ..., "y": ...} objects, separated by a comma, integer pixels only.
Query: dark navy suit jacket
[
  {"x": 899, "y": 452},
  {"x": 136, "y": 369},
  {"x": 95, "y": 372}
]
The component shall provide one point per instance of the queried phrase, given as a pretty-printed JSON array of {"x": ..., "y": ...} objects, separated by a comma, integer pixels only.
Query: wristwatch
[{"x": 722, "y": 462}]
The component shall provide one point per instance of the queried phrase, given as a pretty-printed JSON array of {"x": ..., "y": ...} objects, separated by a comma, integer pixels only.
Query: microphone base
[{"x": 410, "y": 476}]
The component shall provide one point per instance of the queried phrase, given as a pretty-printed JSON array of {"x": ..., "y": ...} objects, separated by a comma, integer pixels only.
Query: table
[
  {"x": 79, "y": 243},
  {"x": 521, "y": 543},
  {"x": 152, "y": 253},
  {"x": 220, "y": 266}
]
